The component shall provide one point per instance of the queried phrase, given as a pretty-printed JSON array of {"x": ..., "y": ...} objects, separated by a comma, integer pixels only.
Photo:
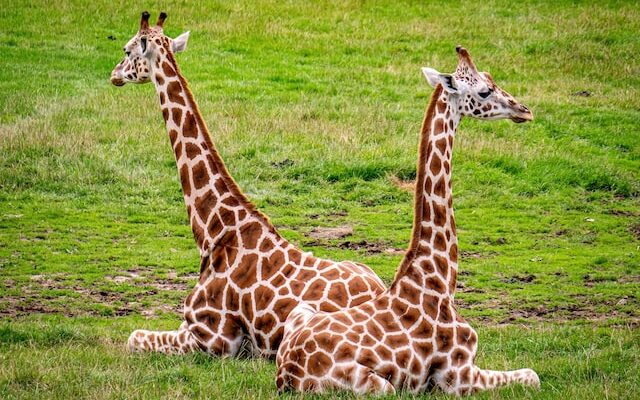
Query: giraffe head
[
  {"x": 475, "y": 93},
  {"x": 143, "y": 49}
]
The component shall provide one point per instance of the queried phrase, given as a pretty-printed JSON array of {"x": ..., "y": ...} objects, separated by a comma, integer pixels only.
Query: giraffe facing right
[{"x": 411, "y": 337}]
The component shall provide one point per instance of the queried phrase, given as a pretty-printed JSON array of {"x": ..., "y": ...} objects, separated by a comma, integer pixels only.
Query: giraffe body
[
  {"x": 411, "y": 337},
  {"x": 250, "y": 277}
]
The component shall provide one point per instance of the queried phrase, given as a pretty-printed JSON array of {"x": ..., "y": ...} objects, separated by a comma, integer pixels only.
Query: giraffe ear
[
  {"x": 434, "y": 78},
  {"x": 180, "y": 43}
]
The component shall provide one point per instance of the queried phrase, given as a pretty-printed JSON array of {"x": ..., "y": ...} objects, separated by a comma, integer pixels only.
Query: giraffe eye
[{"x": 484, "y": 95}]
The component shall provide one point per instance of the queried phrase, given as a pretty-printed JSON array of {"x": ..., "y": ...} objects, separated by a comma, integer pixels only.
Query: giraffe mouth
[
  {"x": 521, "y": 114},
  {"x": 117, "y": 82},
  {"x": 518, "y": 119}
]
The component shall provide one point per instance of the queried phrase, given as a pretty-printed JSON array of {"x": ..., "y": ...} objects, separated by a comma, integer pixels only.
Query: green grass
[{"x": 316, "y": 109}]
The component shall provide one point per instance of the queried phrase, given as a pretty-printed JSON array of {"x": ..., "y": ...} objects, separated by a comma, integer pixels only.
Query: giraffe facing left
[{"x": 250, "y": 277}]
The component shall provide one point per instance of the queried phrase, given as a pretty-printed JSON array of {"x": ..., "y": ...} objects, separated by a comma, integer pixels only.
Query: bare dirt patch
[
  {"x": 635, "y": 231},
  {"x": 16, "y": 306},
  {"x": 584, "y": 309},
  {"x": 331, "y": 233},
  {"x": 282, "y": 164},
  {"x": 163, "y": 309},
  {"x": 333, "y": 215},
  {"x": 173, "y": 282},
  {"x": 470, "y": 254},
  {"x": 527, "y": 278},
  {"x": 462, "y": 288},
  {"x": 582, "y": 93},
  {"x": 167, "y": 284},
  {"x": 39, "y": 295},
  {"x": 467, "y": 255},
  {"x": 623, "y": 213},
  {"x": 119, "y": 279},
  {"x": 591, "y": 280},
  {"x": 370, "y": 247},
  {"x": 491, "y": 241},
  {"x": 581, "y": 307},
  {"x": 629, "y": 279}
]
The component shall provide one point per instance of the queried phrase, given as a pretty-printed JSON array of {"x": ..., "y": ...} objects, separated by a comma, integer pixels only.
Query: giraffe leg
[
  {"x": 485, "y": 379},
  {"x": 472, "y": 379},
  {"x": 180, "y": 341},
  {"x": 366, "y": 381},
  {"x": 353, "y": 377}
]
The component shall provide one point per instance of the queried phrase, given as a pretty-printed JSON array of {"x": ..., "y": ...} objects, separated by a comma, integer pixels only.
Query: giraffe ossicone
[
  {"x": 250, "y": 277},
  {"x": 411, "y": 337}
]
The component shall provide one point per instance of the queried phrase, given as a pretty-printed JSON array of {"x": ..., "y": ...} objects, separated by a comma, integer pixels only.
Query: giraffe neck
[
  {"x": 215, "y": 204},
  {"x": 433, "y": 251}
]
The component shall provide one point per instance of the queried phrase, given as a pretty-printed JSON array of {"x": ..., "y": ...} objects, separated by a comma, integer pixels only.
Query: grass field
[{"x": 316, "y": 108}]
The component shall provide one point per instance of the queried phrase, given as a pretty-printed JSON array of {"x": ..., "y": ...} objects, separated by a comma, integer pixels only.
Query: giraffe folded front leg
[
  {"x": 169, "y": 342},
  {"x": 488, "y": 379},
  {"x": 352, "y": 377},
  {"x": 473, "y": 379},
  {"x": 368, "y": 382}
]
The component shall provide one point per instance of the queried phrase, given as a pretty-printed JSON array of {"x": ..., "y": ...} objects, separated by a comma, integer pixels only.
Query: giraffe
[
  {"x": 410, "y": 337},
  {"x": 250, "y": 277}
]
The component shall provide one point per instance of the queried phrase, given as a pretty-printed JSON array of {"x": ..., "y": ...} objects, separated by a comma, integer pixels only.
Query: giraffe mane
[
  {"x": 224, "y": 173},
  {"x": 416, "y": 231}
]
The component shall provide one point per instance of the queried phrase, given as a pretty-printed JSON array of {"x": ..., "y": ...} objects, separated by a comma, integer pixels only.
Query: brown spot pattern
[{"x": 174, "y": 93}]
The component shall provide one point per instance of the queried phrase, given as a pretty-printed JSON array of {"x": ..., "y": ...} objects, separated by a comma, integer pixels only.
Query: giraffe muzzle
[
  {"x": 117, "y": 75},
  {"x": 524, "y": 115},
  {"x": 116, "y": 81}
]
